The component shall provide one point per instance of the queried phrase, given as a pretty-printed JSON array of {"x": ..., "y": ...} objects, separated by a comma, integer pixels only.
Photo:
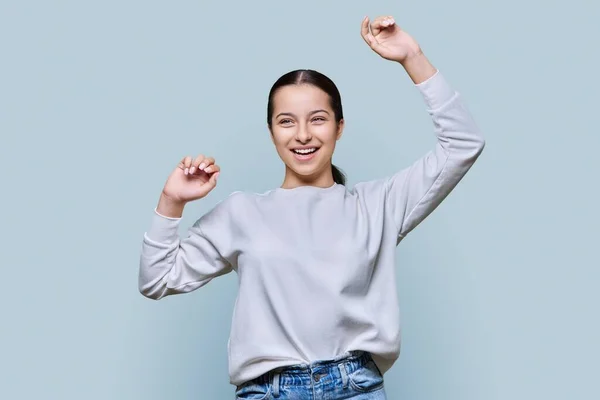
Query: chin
[{"x": 307, "y": 171}]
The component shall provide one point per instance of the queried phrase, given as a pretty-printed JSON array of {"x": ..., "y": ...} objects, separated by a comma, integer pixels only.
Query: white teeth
[{"x": 305, "y": 151}]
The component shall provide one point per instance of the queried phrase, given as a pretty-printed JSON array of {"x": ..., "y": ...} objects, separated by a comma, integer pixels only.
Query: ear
[{"x": 340, "y": 130}]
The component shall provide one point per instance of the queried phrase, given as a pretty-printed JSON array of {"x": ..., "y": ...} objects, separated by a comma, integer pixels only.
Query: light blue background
[{"x": 99, "y": 101}]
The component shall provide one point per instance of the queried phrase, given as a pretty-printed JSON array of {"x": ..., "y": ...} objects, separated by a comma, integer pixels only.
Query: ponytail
[{"x": 338, "y": 176}]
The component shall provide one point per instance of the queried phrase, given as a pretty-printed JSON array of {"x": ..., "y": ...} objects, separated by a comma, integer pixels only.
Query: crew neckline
[{"x": 310, "y": 188}]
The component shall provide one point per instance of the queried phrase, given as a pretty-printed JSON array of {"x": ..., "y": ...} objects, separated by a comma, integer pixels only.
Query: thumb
[
  {"x": 213, "y": 178},
  {"x": 212, "y": 181},
  {"x": 208, "y": 186}
]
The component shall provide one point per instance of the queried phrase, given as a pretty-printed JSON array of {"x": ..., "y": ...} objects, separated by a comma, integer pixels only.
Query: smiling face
[{"x": 305, "y": 131}]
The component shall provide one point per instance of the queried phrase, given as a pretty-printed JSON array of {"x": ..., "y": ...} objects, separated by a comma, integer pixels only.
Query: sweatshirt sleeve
[
  {"x": 171, "y": 265},
  {"x": 415, "y": 192}
]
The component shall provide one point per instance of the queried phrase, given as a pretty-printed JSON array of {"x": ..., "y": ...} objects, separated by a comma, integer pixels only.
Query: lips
[{"x": 304, "y": 153}]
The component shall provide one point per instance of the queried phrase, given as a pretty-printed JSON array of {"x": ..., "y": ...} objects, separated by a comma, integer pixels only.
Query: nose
[{"x": 303, "y": 135}]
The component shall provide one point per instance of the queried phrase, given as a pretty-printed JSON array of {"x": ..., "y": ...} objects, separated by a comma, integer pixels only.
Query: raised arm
[
  {"x": 414, "y": 192},
  {"x": 171, "y": 265}
]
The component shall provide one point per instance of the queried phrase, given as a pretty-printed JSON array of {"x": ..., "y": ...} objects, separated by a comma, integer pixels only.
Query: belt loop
[
  {"x": 276, "y": 385},
  {"x": 344, "y": 374}
]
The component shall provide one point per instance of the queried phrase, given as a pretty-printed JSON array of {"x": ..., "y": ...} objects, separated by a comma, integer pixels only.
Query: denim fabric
[{"x": 352, "y": 376}]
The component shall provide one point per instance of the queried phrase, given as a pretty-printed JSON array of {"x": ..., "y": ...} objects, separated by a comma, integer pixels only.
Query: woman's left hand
[{"x": 388, "y": 40}]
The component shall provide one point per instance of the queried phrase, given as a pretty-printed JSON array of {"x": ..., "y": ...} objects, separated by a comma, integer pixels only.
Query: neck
[{"x": 323, "y": 179}]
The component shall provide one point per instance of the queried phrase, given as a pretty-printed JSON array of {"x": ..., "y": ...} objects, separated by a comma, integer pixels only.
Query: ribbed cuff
[
  {"x": 163, "y": 229},
  {"x": 436, "y": 91}
]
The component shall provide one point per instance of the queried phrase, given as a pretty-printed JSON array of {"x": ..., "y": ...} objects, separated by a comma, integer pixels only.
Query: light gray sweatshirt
[{"x": 316, "y": 266}]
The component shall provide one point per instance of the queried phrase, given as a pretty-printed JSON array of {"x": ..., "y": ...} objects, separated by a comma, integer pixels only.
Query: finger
[
  {"x": 210, "y": 184},
  {"x": 390, "y": 22},
  {"x": 202, "y": 164},
  {"x": 196, "y": 162},
  {"x": 207, "y": 161},
  {"x": 211, "y": 169},
  {"x": 381, "y": 23},
  {"x": 366, "y": 34},
  {"x": 185, "y": 164},
  {"x": 378, "y": 25},
  {"x": 213, "y": 179}
]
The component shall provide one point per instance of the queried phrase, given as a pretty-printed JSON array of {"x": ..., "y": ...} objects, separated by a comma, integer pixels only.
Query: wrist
[
  {"x": 418, "y": 67},
  {"x": 412, "y": 55},
  {"x": 170, "y": 207}
]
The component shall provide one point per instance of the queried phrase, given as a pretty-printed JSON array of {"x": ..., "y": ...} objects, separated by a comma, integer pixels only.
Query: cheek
[
  {"x": 281, "y": 142},
  {"x": 326, "y": 133},
  {"x": 279, "y": 138}
]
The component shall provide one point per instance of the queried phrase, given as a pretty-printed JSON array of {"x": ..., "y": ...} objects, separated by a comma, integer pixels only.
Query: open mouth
[
  {"x": 305, "y": 154},
  {"x": 305, "y": 151}
]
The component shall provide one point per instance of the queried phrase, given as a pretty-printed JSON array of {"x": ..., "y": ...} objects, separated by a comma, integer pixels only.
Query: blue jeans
[{"x": 352, "y": 376}]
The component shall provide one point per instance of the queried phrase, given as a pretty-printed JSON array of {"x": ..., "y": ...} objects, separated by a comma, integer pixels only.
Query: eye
[
  {"x": 318, "y": 119},
  {"x": 285, "y": 121}
]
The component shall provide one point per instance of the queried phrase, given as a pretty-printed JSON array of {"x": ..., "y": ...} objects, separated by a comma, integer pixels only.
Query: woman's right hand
[{"x": 193, "y": 179}]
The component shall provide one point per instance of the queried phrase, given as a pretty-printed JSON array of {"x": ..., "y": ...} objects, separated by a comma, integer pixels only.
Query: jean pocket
[
  {"x": 366, "y": 379},
  {"x": 253, "y": 391}
]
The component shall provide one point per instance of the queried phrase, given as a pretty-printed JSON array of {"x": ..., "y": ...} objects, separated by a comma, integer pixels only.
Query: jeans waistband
[{"x": 305, "y": 374}]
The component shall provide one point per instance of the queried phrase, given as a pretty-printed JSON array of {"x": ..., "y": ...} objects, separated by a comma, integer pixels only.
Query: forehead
[{"x": 300, "y": 98}]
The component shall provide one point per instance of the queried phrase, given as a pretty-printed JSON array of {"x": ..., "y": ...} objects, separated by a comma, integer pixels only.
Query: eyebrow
[{"x": 310, "y": 113}]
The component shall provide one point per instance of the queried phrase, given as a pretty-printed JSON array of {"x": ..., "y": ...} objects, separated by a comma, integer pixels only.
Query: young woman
[{"x": 316, "y": 315}]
